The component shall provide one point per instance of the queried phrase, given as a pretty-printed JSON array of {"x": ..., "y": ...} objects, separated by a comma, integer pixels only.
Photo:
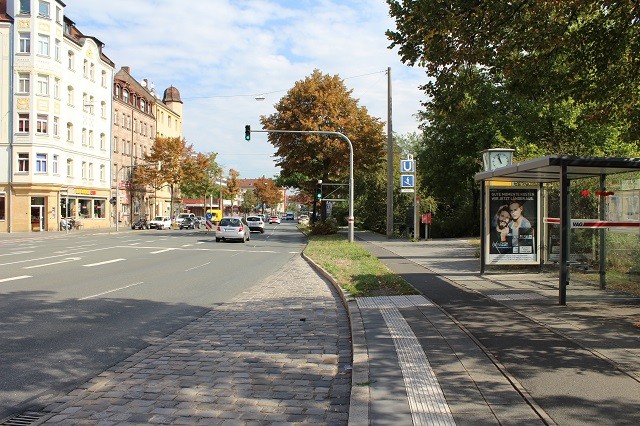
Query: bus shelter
[{"x": 564, "y": 170}]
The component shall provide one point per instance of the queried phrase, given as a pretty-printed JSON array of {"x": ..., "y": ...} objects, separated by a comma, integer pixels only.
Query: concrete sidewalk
[{"x": 499, "y": 347}]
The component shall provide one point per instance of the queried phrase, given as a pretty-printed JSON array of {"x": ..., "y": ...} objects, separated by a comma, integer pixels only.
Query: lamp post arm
[{"x": 350, "y": 219}]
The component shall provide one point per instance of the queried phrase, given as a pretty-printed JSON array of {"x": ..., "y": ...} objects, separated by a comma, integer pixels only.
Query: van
[{"x": 289, "y": 216}]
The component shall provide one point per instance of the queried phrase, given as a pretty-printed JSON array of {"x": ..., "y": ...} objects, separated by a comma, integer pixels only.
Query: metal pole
[
  {"x": 601, "y": 232},
  {"x": 350, "y": 219},
  {"x": 389, "y": 159},
  {"x": 565, "y": 223}
]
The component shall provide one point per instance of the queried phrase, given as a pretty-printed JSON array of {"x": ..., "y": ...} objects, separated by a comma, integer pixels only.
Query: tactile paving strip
[{"x": 426, "y": 399}]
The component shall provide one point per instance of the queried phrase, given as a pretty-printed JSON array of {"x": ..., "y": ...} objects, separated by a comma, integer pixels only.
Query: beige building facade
[{"x": 55, "y": 143}]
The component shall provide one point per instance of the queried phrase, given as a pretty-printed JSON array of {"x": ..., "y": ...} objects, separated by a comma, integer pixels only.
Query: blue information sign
[{"x": 406, "y": 181}]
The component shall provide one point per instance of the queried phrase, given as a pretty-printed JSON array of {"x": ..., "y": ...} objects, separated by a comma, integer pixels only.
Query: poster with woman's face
[{"x": 512, "y": 227}]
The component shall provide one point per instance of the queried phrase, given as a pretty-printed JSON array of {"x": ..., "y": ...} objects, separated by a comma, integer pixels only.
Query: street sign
[
  {"x": 406, "y": 181},
  {"x": 406, "y": 189},
  {"x": 407, "y": 166},
  {"x": 208, "y": 216}
]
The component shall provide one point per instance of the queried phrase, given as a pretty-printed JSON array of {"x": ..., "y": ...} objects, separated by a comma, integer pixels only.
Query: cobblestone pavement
[{"x": 278, "y": 353}]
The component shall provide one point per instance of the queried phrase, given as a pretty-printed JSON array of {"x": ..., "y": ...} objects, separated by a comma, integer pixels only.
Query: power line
[{"x": 253, "y": 95}]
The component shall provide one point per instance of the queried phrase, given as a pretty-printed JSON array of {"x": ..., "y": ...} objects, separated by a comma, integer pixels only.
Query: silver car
[
  {"x": 256, "y": 223},
  {"x": 233, "y": 228}
]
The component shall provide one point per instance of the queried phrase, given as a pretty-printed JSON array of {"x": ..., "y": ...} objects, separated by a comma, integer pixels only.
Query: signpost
[{"x": 408, "y": 185}]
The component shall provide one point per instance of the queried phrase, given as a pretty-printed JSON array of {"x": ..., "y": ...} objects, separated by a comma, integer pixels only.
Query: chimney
[{"x": 127, "y": 70}]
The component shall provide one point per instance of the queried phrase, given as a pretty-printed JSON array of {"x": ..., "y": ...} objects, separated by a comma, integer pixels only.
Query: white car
[
  {"x": 181, "y": 217},
  {"x": 160, "y": 222},
  {"x": 256, "y": 223}
]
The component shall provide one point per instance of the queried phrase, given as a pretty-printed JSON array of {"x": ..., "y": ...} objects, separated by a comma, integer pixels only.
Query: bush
[{"x": 324, "y": 227}]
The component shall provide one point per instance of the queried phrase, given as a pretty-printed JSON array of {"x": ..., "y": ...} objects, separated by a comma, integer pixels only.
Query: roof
[{"x": 548, "y": 169}]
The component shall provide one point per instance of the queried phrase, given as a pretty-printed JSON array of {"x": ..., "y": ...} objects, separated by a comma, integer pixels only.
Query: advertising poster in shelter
[{"x": 512, "y": 224}]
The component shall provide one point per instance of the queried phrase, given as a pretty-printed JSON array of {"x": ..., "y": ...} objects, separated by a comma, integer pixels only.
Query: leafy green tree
[
  {"x": 249, "y": 201},
  {"x": 322, "y": 103}
]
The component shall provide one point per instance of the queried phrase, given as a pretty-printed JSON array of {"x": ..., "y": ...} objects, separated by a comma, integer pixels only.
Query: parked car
[
  {"x": 181, "y": 217},
  {"x": 201, "y": 221},
  {"x": 233, "y": 228},
  {"x": 274, "y": 219},
  {"x": 140, "y": 224},
  {"x": 256, "y": 223},
  {"x": 160, "y": 222},
  {"x": 189, "y": 223},
  {"x": 289, "y": 216}
]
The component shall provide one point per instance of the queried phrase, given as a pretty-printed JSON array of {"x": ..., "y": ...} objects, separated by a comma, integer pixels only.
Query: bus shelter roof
[{"x": 549, "y": 168}]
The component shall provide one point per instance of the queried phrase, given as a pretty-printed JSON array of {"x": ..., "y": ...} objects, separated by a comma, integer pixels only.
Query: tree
[
  {"x": 233, "y": 187},
  {"x": 322, "y": 103},
  {"x": 267, "y": 192},
  {"x": 249, "y": 201},
  {"x": 175, "y": 157},
  {"x": 200, "y": 174}
]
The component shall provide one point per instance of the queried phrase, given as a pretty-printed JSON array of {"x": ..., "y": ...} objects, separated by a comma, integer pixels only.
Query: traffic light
[
  {"x": 247, "y": 133},
  {"x": 319, "y": 190}
]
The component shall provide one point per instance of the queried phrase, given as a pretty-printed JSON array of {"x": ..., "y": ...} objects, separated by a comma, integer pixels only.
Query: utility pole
[{"x": 389, "y": 159}]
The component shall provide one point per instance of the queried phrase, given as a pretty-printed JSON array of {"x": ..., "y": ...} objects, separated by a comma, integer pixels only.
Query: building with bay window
[{"x": 55, "y": 141}]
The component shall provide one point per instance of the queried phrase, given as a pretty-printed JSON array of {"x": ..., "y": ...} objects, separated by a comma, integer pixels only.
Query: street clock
[{"x": 495, "y": 158}]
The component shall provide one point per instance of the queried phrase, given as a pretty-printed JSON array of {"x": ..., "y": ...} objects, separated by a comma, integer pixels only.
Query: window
[
  {"x": 69, "y": 167},
  {"x": 84, "y": 136},
  {"x": 70, "y": 96},
  {"x": 84, "y": 206},
  {"x": 41, "y": 163},
  {"x": 103, "y": 172},
  {"x": 25, "y": 7},
  {"x": 56, "y": 126},
  {"x": 143, "y": 105},
  {"x": 103, "y": 139},
  {"x": 84, "y": 170},
  {"x": 92, "y": 71},
  {"x": 54, "y": 164},
  {"x": 23, "y": 162},
  {"x": 85, "y": 69},
  {"x": 42, "y": 87},
  {"x": 25, "y": 43},
  {"x": 23, "y": 122},
  {"x": 91, "y": 101},
  {"x": 70, "y": 60},
  {"x": 24, "y": 83},
  {"x": 58, "y": 15},
  {"x": 56, "y": 88},
  {"x": 42, "y": 124},
  {"x": 43, "y": 45},
  {"x": 125, "y": 96},
  {"x": 43, "y": 9},
  {"x": 103, "y": 109},
  {"x": 90, "y": 171},
  {"x": 115, "y": 144},
  {"x": 70, "y": 132},
  {"x": 104, "y": 79},
  {"x": 99, "y": 210},
  {"x": 56, "y": 50},
  {"x": 91, "y": 138}
]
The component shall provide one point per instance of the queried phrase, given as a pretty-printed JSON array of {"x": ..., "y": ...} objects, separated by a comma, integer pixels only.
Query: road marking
[
  {"x": 21, "y": 277},
  {"x": 162, "y": 251},
  {"x": 111, "y": 291},
  {"x": 69, "y": 259},
  {"x": 17, "y": 252},
  {"x": 196, "y": 267},
  {"x": 104, "y": 263}
]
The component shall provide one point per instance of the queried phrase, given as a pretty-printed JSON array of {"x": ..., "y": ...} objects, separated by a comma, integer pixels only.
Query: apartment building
[
  {"x": 55, "y": 143},
  {"x": 139, "y": 116}
]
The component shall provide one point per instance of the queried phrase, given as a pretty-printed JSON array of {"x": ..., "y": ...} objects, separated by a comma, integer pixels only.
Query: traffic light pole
[{"x": 350, "y": 219}]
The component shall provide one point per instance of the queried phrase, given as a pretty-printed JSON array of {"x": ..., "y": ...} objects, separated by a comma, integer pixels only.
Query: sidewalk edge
[{"x": 360, "y": 392}]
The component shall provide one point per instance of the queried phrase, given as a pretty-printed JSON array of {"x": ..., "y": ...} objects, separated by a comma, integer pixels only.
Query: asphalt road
[{"x": 72, "y": 305}]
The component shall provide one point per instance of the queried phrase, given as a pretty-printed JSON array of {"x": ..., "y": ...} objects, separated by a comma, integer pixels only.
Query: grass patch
[{"x": 355, "y": 269}]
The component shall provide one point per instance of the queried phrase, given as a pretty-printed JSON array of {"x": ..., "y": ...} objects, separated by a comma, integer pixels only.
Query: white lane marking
[
  {"x": 20, "y": 277},
  {"x": 16, "y": 252},
  {"x": 57, "y": 256},
  {"x": 69, "y": 259},
  {"x": 162, "y": 251},
  {"x": 110, "y": 291},
  {"x": 196, "y": 267},
  {"x": 104, "y": 263},
  {"x": 133, "y": 244}
]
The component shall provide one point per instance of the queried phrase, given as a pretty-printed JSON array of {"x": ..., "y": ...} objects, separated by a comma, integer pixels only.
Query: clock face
[{"x": 499, "y": 159}]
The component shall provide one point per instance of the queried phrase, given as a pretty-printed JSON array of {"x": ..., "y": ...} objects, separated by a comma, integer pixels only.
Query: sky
[{"x": 223, "y": 54}]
